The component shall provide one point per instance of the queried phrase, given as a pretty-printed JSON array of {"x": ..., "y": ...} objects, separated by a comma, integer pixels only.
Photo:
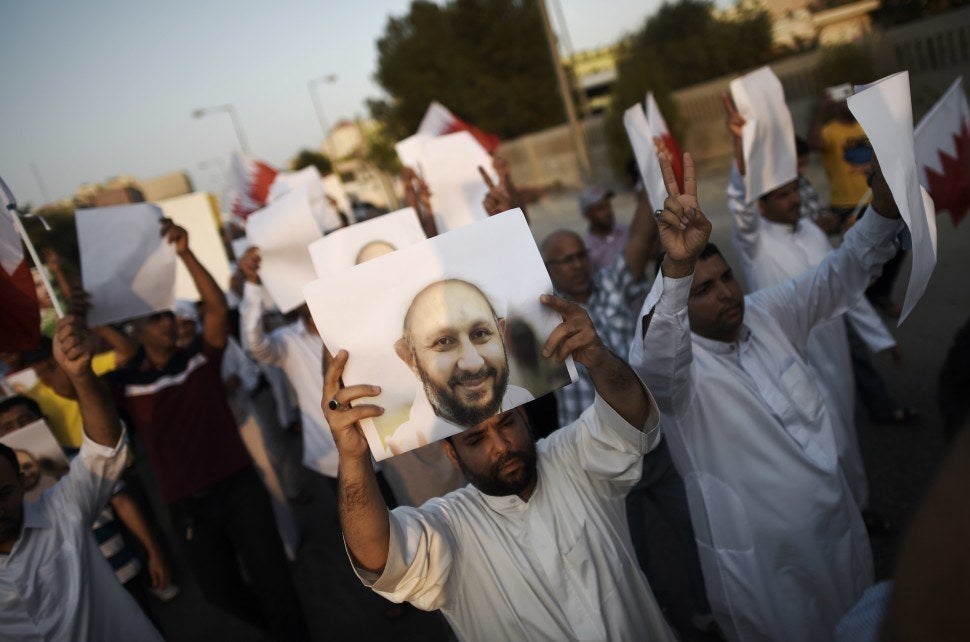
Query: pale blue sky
[{"x": 105, "y": 87}]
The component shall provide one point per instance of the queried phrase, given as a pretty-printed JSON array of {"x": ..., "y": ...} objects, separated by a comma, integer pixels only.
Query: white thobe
[
  {"x": 300, "y": 354},
  {"x": 781, "y": 540},
  {"x": 55, "y": 584},
  {"x": 772, "y": 253},
  {"x": 557, "y": 567}
]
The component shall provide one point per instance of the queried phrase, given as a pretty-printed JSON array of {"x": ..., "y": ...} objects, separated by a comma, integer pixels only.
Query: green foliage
[
  {"x": 307, "y": 157},
  {"x": 681, "y": 45},
  {"x": 486, "y": 60},
  {"x": 845, "y": 63}
]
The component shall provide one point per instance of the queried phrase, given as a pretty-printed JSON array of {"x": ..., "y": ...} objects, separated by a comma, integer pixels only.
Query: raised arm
[
  {"x": 643, "y": 243},
  {"x": 214, "y": 306},
  {"x": 262, "y": 346},
  {"x": 135, "y": 521},
  {"x": 363, "y": 513},
  {"x": 72, "y": 351}
]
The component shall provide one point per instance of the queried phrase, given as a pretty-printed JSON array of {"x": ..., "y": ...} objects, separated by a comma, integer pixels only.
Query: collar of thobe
[
  {"x": 723, "y": 347},
  {"x": 33, "y": 518}
]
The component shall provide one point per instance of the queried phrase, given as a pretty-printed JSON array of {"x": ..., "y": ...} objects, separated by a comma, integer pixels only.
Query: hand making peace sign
[{"x": 684, "y": 230}]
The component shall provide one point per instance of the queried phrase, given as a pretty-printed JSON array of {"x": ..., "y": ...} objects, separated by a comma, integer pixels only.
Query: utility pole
[{"x": 579, "y": 141}]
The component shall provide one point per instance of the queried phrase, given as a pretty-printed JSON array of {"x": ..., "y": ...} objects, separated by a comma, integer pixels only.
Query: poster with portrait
[
  {"x": 42, "y": 462},
  {"x": 348, "y": 246},
  {"x": 450, "y": 328}
]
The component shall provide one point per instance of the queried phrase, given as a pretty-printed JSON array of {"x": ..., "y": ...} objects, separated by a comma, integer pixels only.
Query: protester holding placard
[
  {"x": 781, "y": 538},
  {"x": 218, "y": 506},
  {"x": 54, "y": 582},
  {"x": 537, "y": 546}
]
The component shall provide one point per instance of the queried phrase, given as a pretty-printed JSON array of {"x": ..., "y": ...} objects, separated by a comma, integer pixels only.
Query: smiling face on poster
[{"x": 450, "y": 328}]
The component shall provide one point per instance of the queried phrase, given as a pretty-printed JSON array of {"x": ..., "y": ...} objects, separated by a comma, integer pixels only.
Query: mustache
[{"x": 466, "y": 377}]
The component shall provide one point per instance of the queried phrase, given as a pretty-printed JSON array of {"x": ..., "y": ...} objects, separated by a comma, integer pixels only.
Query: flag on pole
[
  {"x": 438, "y": 121},
  {"x": 659, "y": 129},
  {"x": 943, "y": 152},
  {"x": 249, "y": 181},
  {"x": 20, "y": 316}
]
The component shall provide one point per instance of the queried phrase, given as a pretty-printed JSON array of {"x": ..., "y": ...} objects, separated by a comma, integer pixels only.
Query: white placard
[
  {"x": 195, "y": 212},
  {"x": 641, "y": 139},
  {"x": 308, "y": 178},
  {"x": 282, "y": 231},
  {"x": 127, "y": 268},
  {"x": 487, "y": 322},
  {"x": 768, "y": 136},
  {"x": 449, "y": 165},
  {"x": 885, "y": 111},
  {"x": 348, "y": 246},
  {"x": 334, "y": 188}
]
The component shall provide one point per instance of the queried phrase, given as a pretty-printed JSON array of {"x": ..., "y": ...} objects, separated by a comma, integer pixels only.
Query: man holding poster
[{"x": 537, "y": 546}]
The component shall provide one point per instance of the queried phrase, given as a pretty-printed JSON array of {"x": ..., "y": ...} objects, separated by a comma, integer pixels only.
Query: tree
[
  {"x": 307, "y": 157},
  {"x": 681, "y": 45},
  {"x": 845, "y": 63},
  {"x": 486, "y": 60}
]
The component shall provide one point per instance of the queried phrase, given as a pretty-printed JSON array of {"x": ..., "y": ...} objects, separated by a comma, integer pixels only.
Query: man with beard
[
  {"x": 453, "y": 342},
  {"x": 537, "y": 546}
]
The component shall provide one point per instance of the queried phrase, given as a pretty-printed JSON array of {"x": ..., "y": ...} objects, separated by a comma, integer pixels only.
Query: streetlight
[
  {"x": 240, "y": 136},
  {"x": 317, "y": 107}
]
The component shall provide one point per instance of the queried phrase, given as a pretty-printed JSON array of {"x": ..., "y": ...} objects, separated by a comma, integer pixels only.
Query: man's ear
[
  {"x": 450, "y": 451},
  {"x": 404, "y": 352}
]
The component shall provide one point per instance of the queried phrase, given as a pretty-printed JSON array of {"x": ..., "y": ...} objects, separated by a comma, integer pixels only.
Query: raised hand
[
  {"x": 72, "y": 349},
  {"x": 575, "y": 336},
  {"x": 249, "y": 264},
  {"x": 417, "y": 195},
  {"x": 497, "y": 199},
  {"x": 735, "y": 121},
  {"x": 340, "y": 415},
  {"x": 684, "y": 230},
  {"x": 882, "y": 197},
  {"x": 175, "y": 235}
]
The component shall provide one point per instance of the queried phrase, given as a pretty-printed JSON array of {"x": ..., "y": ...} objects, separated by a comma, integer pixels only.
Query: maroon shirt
[{"x": 182, "y": 416}]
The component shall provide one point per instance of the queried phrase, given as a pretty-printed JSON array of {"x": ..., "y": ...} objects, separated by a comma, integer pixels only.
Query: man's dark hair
[
  {"x": 801, "y": 146},
  {"x": 709, "y": 250},
  {"x": 20, "y": 400},
  {"x": 7, "y": 453},
  {"x": 44, "y": 350}
]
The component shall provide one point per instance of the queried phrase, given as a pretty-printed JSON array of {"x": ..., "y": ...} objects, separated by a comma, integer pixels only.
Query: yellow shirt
[
  {"x": 63, "y": 414},
  {"x": 847, "y": 182}
]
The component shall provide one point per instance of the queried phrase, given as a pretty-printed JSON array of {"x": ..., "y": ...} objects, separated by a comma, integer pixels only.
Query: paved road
[{"x": 900, "y": 460}]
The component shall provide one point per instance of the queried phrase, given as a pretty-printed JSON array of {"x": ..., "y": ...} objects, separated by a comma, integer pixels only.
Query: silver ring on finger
[
  {"x": 333, "y": 404},
  {"x": 658, "y": 215}
]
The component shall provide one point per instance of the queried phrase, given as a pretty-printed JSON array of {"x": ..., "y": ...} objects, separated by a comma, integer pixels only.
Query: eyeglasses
[{"x": 580, "y": 256}]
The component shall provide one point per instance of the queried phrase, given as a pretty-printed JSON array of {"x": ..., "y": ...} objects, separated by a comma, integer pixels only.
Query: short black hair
[
  {"x": 20, "y": 400},
  {"x": 44, "y": 350},
  {"x": 801, "y": 146},
  {"x": 8, "y": 453},
  {"x": 709, "y": 250}
]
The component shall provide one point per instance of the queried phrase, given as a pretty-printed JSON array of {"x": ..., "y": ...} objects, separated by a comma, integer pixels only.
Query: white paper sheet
[
  {"x": 341, "y": 249},
  {"x": 196, "y": 214},
  {"x": 126, "y": 266},
  {"x": 334, "y": 188},
  {"x": 638, "y": 131},
  {"x": 885, "y": 111},
  {"x": 282, "y": 231},
  {"x": 449, "y": 165},
  {"x": 768, "y": 137},
  {"x": 308, "y": 178},
  {"x": 362, "y": 310}
]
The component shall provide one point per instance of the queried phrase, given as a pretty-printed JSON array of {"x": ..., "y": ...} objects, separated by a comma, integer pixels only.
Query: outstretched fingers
[
  {"x": 690, "y": 177},
  {"x": 670, "y": 178}
]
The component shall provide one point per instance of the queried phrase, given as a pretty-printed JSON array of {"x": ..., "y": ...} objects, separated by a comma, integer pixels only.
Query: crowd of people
[{"x": 731, "y": 414}]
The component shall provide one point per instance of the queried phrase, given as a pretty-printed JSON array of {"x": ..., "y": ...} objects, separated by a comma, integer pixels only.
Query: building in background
[{"x": 346, "y": 146}]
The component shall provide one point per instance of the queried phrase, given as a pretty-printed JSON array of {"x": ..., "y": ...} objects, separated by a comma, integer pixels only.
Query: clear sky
[{"x": 99, "y": 88}]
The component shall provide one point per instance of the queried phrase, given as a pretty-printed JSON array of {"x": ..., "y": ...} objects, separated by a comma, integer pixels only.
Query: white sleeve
[
  {"x": 91, "y": 480},
  {"x": 746, "y": 217},
  {"x": 837, "y": 283},
  {"x": 866, "y": 321},
  {"x": 419, "y": 558},
  {"x": 264, "y": 348},
  {"x": 662, "y": 355}
]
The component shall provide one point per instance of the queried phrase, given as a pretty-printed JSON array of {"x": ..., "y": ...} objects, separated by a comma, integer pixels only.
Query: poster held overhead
[
  {"x": 344, "y": 248},
  {"x": 638, "y": 131},
  {"x": 768, "y": 137},
  {"x": 127, "y": 267},
  {"x": 450, "y": 332},
  {"x": 282, "y": 231},
  {"x": 885, "y": 111},
  {"x": 309, "y": 178},
  {"x": 195, "y": 213}
]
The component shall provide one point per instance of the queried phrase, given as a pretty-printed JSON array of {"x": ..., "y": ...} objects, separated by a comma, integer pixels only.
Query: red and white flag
[
  {"x": 438, "y": 121},
  {"x": 20, "y": 314},
  {"x": 659, "y": 129},
  {"x": 249, "y": 181},
  {"x": 943, "y": 152}
]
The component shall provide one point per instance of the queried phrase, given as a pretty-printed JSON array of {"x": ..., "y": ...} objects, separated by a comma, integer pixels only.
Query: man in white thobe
[
  {"x": 781, "y": 539},
  {"x": 537, "y": 546},
  {"x": 775, "y": 244}
]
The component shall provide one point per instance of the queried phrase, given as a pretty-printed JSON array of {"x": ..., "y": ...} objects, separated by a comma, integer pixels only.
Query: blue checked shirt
[{"x": 613, "y": 307}]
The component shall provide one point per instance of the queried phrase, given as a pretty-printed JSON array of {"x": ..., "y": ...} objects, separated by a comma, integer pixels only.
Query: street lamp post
[
  {"x": 236, "y": 124},
  {"x": 317, "y": 107}
]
